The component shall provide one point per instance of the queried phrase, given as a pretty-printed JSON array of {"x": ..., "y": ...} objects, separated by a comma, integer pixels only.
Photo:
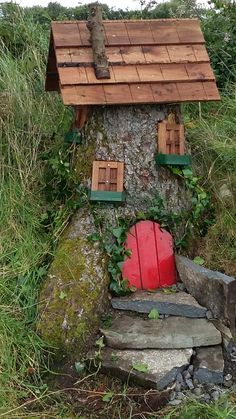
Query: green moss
[{"x": 73, "y": 295}]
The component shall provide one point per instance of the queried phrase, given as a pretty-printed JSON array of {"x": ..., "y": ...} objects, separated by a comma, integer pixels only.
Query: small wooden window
[
  {"x": 108, "y": 176},
  {"x": 170, "y": 138}
]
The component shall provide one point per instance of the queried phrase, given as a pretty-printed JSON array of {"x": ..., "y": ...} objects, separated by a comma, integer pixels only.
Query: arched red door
[{"x": 151, "y": 264}]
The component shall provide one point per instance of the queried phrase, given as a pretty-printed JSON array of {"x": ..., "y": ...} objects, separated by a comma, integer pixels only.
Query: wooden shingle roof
[{"x": 150, "y": 61}]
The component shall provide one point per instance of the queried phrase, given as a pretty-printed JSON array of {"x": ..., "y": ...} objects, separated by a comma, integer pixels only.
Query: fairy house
[{"x": 126, "y": 86}]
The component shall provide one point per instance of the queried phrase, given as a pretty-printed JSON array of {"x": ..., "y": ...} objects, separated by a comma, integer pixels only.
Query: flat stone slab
[
  {"x": 175, "y": 304},
  {"x": 209, "y": 365},
  {"x": 170, "y": 333},
  {"x": 212, "y": 289},
  {"x": 162, "y": 366}
]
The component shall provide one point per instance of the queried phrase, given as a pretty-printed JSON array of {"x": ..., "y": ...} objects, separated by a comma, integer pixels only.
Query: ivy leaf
[
  {"x": 117, "y": 232},
  {"x": 140, "y": 367},
  {"x": 198, "y": 260},
  {"x": 154, "y": 314},
  {"x": 62, "y": 295},
  {"x": 100, "y": 342},
  {"x": 107, "y": 396},
  {"x": 187, "y": 172},
  {"x": 169, "y": 290},
  {"x": 79, "y": 367}
]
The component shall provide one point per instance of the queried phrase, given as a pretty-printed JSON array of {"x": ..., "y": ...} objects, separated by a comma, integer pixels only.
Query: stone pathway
[{"x": 180, "y": 349}]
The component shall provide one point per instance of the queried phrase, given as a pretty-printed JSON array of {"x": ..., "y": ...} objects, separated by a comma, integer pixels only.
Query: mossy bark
[{"x": 75, "y": 293}]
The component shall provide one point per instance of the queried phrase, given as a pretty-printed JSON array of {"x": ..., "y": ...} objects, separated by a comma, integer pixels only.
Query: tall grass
[
  {"x": 28, "y": 119},
  {"x": 212, "y": 135}
]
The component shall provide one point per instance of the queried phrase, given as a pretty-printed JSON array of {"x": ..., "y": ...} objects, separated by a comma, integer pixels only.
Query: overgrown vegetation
[{"x": 38, "y": 191}]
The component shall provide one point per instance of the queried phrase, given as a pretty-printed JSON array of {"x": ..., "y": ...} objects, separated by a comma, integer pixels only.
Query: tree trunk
[{"x": 95, "y": 26}]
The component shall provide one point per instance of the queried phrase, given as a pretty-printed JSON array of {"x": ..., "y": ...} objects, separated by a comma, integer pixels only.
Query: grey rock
[
  {"x": 190, "y": 369},
  {"x": 209, "y": 315},
  {"x": 209, "y": 365},
  {"x": 180, "y": 395},
  {"x": 172, "y": 395},
  {"x": 213, "y": 290},
  {"x": 186, "y": 374},
  {"x": 215, "y": 395},
  {"x": 207, "y": 398},
  {"x": 228, "y": 384},
  {"x": 162, "y": 365},
  {"x": 225, "y": 193},
  {"x": 189, "y": 383},
  {"x": 175, "y": 304},
  {"x": 179, "y": 378},
  {"x": 228, "y": 377},
  {"x": 197, "y": 391},
  {"x": 173, "y": 332},
  {"x": 178, "y": 387},
  {"x": 175, "y": 402}
]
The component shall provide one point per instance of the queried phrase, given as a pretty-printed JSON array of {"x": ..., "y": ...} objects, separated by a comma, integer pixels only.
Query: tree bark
[{"x": 95, "y": 26}]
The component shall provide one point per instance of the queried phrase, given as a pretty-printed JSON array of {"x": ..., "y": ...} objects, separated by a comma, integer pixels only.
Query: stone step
[
  {"x": 175, "y": 304},
  {"x": 129, "y": 332},
  {"x": 160, "y": 367}
]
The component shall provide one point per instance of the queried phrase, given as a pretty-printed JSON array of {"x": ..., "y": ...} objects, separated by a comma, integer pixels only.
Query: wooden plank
[
  {"x": 116, "y": 33},
  {"x": 156, "y": 54},
  {"x": 126, "y": 74},
  {"x": 141, "y": 93},
  {"x": 193, "y": 91},
  {"x": 181, "y": 139},
  {"x": 93, "y": 79},
  {"x": 72, "y": 75},
  {"x": 131, "y": 267},
  {"x": 149, "y": 73},
  {"x": 120, "y": 177},
  {"x": 201, "y": 53},
  {"x": 164, "y": 32},
  {"x": 83, "y": 95},
  {"x": 174, "y": 72},
  {"x": 162, "y": 134},
  {"x": 81, "y": 55},
  {"x": 114, "y": 54},
  {"x": 117, "y": 94},
  {"x": 189, "y": 32},
  {"x": 200, "y": 71},
  {"x": 148, "y": 257},
  {"x": 63, "y": 55},
  {"x": 95, "y": 175},
  {"x": 139, "y": 32},
  {"x": 132, "y": 55},
  {"x": 211, "y": 90},
  {"x": 84, "y": 34},
  {"x": 65, "y": 34},
  {"x": 165, "y": 92},
  {"x": 181, "y": 53}
]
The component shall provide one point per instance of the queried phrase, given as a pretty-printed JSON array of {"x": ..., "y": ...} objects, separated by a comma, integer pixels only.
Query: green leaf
[
  {"x": 187, "y": 172},
  {"x": 169, "y": 290},
  {"x": 117, "y": 232},
  {"x": 79, "y": 367},
  {"x": 198, "y": 260},
  {"x": 153, "y": 314},
  {"x": 62, "y": 295},
  {"x": 140, "y": 367},
  {"x": 100, "y": 342},
  {"x": 107, "y": 396},
  {"x": 114, "y": 357}
]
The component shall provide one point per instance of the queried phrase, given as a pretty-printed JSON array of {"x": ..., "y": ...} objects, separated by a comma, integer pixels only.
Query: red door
[{"x": 151, "y": 264}]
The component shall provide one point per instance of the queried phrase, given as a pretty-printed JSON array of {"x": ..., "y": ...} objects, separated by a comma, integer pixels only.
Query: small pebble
[
  {"x": 181, "y": 286},
  {"x": 197, "y": 391},
  {"x": 209, "y": 315},
  {"x": 189, "y": 383},
  {"x": 186, "y": 375},
  {"x": 180, "y": 395},
  {"x": 228, "y": 383},
  {"x": 172, "y": 395},
  {"x": 215, "y": 395},
  {"x": 162, "y": 316},
  {"x": 178, "y": 387},
  {"x": 195, "y": 382},
  {"x": 175, "y": 402},
  {"x": 190, "y": 369},
  {"x": 207, "y": 397},
  {"x": 228, "y": 377}
]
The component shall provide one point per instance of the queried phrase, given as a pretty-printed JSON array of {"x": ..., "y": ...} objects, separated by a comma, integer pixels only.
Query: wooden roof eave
[{"x": 52, "y": 76}]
